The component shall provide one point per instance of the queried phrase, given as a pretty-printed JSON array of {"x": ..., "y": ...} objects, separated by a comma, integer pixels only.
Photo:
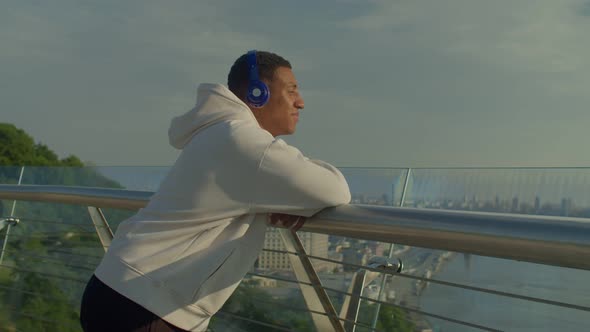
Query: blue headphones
[{"x": 258, "y": 93}]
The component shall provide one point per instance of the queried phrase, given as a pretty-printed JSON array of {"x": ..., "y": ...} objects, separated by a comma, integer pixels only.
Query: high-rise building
[
  {"x": 515, "y": 205},
  {"x": 566, "y": 206},
  {"x": 315, "y": 245}
]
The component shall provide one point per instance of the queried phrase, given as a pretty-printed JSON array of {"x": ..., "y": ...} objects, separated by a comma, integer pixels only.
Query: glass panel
[
  {"x": 375, "y": 186},
  {"x": 527, "y": 279},
  {"x": 132, "y": 178},
  {"x": 67, "y": 176},
  {"x": 390, "y": 318},
  {"x": 264, "y": 300},
  {"x": 8, "y": 175},
  {"x": 58, "y": 242},
  {"x": 49, "y": 257},
  {"x": 51, "y": 253},
  {"x": 557, "y": 191},
  {"x": 531, "y": 191},
  {"x": 135, "y": 178}
]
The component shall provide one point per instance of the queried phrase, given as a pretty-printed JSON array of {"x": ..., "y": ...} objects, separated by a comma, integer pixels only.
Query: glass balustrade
[{"x": 52, "y": 251}]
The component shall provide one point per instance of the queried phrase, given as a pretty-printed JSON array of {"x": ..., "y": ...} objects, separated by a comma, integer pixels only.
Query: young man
[{"x": 174, "y": 264}]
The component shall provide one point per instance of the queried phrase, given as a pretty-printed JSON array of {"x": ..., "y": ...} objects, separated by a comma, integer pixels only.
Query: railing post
[
  {"x": 8, "y": 222},
  {"x": 103, "y": 230},
  {"x": 11, "y": 221},
  {"x": 384, "y": 276},
  {"x": 362, "y": 277},
  {"x": 315, "y": 296},
  {"x": 351, "y": 308},
  {"x": 406, "y": 181}
]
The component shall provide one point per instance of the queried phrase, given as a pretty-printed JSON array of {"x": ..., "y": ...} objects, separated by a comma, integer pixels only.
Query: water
[{"x": 548, "y": 282}]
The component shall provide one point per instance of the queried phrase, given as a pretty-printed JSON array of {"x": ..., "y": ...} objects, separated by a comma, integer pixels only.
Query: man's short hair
[{"x": 267, "y": 62}]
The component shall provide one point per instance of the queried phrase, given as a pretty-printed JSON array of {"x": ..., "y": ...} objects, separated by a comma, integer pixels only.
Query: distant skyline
[
  {"x": 386, "y": 83},
  {"x": 432, "y": 185}
]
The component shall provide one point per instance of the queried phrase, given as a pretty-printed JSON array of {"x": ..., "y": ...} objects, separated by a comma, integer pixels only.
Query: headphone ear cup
[{"x": 258, "y": 93}]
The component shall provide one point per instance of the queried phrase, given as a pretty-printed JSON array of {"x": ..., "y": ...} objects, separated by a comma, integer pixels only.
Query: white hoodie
[{"x": 182, "y": 256}]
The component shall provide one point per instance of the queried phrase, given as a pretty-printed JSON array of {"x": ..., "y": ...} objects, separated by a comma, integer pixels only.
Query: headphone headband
[{"x": 252, "y": 65}]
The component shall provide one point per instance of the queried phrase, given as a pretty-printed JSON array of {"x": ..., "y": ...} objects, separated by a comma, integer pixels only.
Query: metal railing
[
  {"x": 554, "y": 240},
  {"x": 557, "y": 241}
]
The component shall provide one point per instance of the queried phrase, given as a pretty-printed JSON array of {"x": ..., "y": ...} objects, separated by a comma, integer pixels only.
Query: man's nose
[{"x": 299, "y": 103}]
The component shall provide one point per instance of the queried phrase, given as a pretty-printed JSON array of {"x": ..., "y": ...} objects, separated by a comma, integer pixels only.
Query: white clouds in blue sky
[{"x": 386, "y": 83}]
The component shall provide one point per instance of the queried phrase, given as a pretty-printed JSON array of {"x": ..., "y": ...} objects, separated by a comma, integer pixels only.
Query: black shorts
[{"x": 104, "y": 309}]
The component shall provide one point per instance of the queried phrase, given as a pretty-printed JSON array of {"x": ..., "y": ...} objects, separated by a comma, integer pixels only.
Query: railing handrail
[
  {"x": 559, "y": 241},
  {"x": 89, "y": 196}
]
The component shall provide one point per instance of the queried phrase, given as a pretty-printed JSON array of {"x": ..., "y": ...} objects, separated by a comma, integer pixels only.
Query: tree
[
  {"x": 17, "y": 148},
  {"x": 252, "y": 302},
  {"x": 31, "y": 301},
  {"x": 50, "y": 312},
  {"x": 390, "y": 318}
]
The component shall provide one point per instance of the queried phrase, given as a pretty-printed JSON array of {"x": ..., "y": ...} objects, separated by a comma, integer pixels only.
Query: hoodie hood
[{"x": 215, "y": 103}]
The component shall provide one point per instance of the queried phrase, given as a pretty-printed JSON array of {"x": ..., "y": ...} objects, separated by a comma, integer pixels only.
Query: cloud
[
  {"x": 395, "y": 83},
  {"x": 76, "y": 67},
  {"x": 538, "y": 36},
  {"x": 583, "y": 8}
]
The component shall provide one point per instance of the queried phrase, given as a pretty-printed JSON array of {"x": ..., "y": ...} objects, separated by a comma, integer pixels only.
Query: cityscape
[{"x": 421, "y": 262}]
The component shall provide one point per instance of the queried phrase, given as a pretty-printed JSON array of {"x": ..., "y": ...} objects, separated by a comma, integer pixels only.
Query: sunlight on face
[{"x": 281, "y": 114}]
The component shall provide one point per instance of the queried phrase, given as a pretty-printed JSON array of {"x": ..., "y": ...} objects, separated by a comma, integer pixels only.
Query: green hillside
[{"x": 54, "y": 249}]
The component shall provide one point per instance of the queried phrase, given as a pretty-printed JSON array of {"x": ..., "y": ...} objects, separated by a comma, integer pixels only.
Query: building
[{"x": 314, "y": 244}]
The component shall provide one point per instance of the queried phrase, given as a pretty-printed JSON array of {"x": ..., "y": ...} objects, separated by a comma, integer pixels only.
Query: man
[{"x": 174, "y": 264}]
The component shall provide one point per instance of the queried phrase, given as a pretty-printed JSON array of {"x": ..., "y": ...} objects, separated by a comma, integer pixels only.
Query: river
[{"x": 507, "y": 314}]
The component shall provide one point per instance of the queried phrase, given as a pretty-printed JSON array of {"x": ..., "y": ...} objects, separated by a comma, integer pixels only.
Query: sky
[{"x": 386, "y": 83}]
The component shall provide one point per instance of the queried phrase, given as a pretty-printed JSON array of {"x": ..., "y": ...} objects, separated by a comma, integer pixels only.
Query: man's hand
[{"x": 289, "y": 221}]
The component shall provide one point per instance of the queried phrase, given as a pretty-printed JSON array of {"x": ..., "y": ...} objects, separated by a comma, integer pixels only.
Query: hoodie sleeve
[{"x": 288, "y": 182}]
